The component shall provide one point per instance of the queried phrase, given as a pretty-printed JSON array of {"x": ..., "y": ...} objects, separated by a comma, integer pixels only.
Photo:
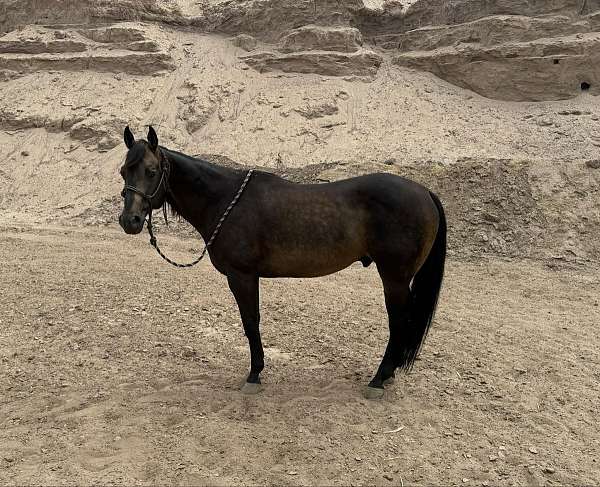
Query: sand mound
[{"x": 316, "y": 91}]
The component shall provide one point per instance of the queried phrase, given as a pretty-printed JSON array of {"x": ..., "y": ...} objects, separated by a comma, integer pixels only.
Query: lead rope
[{"x": 154, "y": 243}]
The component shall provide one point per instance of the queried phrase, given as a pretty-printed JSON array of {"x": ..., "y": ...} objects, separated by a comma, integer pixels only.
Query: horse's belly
[{"x": 302, "y": 263}]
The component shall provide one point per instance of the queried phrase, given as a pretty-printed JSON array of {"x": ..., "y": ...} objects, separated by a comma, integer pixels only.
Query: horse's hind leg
[{"x": 397, "y": 301}]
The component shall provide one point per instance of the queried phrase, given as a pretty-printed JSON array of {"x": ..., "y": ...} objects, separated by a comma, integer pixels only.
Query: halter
[
  {"x": 165, "y": 170},
  {"x": 164, "y": 180}
]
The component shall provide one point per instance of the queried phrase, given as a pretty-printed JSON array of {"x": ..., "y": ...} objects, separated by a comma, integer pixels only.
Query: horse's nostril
[{"x": 136, "y": 220}]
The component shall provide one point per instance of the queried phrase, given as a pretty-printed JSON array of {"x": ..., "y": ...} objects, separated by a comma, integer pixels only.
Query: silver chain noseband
[{"x": 165, "y": 170}]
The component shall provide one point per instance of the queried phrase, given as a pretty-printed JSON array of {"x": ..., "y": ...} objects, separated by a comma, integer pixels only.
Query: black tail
[{"x": 425, "y": 290}]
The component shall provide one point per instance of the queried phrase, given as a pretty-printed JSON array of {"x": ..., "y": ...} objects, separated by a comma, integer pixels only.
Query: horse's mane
[{"x": 193, "y": 160}]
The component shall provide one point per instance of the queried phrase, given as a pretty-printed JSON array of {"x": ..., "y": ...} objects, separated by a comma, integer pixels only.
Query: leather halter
[
  {"x": 164, "y": 181},
  {"x": 164, "y": 177}
]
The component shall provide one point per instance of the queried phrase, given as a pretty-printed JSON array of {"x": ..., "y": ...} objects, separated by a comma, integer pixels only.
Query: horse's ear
[
  {"x": 152, "y": 139},
  {"x": 129, "y": 138}
]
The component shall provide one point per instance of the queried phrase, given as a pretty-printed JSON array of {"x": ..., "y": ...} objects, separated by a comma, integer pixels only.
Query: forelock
[{"x": 136, "y": 153}]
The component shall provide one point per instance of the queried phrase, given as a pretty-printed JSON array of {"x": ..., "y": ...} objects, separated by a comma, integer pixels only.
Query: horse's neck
[{"x": 198, "y": 190}]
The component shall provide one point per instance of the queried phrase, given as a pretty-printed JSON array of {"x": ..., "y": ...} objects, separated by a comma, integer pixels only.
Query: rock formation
[{"x": 492, "y": 104}]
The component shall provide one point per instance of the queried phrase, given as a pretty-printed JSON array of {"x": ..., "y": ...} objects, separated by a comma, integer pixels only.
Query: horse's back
[{"x": 378, "y": 197}]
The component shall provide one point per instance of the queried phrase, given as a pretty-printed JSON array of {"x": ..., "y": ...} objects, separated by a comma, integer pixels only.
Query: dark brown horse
[{"x": 283, "y": 229}]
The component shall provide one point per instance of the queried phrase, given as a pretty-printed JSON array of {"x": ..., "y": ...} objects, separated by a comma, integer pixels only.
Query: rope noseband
[{"x": 165, "y": 172}]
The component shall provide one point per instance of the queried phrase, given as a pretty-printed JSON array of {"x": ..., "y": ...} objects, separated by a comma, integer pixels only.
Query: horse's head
[{"x": 145, "y": 173}]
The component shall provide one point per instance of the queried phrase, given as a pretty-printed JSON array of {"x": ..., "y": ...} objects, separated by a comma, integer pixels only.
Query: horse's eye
[{"x": 151, "y": 173}]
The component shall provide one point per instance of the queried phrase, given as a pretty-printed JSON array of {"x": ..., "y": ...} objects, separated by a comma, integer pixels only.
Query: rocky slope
[{"x": 492, "y": 104}]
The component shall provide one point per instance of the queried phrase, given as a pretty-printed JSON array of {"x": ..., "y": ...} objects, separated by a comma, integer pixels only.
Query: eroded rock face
[
  {"x": 486, "y": 32},
  {"x": 115, "y": 34},
  {"x": 329, "y": 63},
  {"x": 391, "y": 18},
  {"x": 99, "y": 131},
  {"x": 318, "y": 38},
  {"x": 32, "y": 40},
  {"x": 504, "y": 49},
  {"x": 268, "y": 20},
  {"x": 110, "y": 49},
  {"x": 545, "y": 69},
  {"x": 14, "y": 13}
]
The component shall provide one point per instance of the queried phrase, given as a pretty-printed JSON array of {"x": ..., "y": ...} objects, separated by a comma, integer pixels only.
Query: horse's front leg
[{"x": 245, "y": 289}]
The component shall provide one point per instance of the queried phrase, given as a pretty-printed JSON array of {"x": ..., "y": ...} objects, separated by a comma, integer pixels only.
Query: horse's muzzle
[{"x": 132, "y": 224}]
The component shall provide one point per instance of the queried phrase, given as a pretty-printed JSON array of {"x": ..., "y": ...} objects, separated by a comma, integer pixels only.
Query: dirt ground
[{"x": 117, "y": 369}]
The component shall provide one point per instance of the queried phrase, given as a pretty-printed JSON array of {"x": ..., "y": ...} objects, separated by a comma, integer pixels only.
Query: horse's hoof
[
  {"x": 374, "y": 392},
  {"x": 251, "y": 388},
  {"x": 389, "y": 381}
]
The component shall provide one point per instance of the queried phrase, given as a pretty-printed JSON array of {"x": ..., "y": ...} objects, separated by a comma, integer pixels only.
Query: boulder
[
  {"x": 318, "y": 38},
  {"x": 245, "y": 42}
]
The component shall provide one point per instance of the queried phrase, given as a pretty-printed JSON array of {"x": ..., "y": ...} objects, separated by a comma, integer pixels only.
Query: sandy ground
[{"x": 119, "y": 369}]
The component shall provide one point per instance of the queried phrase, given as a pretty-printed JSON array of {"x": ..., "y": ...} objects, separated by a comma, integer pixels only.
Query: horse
[{"x": 278, "y": 228}]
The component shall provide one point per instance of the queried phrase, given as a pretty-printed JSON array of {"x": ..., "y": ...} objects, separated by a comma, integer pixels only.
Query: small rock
[
  {"x": 533, "y": 450},
  {"x": 387, "y": 476},
  {"x": 358, "y": 459},
  {"x": 465, "y": 480},
  {"x": 593, "y": 164},
  {"x": 493, "y": 458},
  {"x": 188, "y": 352},
  {"x": 549, "y": 470},
  {"x": 390, "y": 162},
  {"x": 292, "y": 472},
  {"x": 490, "y": 217},
  {"x": 24, "y": 153}
]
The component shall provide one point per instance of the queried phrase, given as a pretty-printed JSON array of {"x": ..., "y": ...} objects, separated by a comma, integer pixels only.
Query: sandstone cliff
[{"x": 491, "y": 103}]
